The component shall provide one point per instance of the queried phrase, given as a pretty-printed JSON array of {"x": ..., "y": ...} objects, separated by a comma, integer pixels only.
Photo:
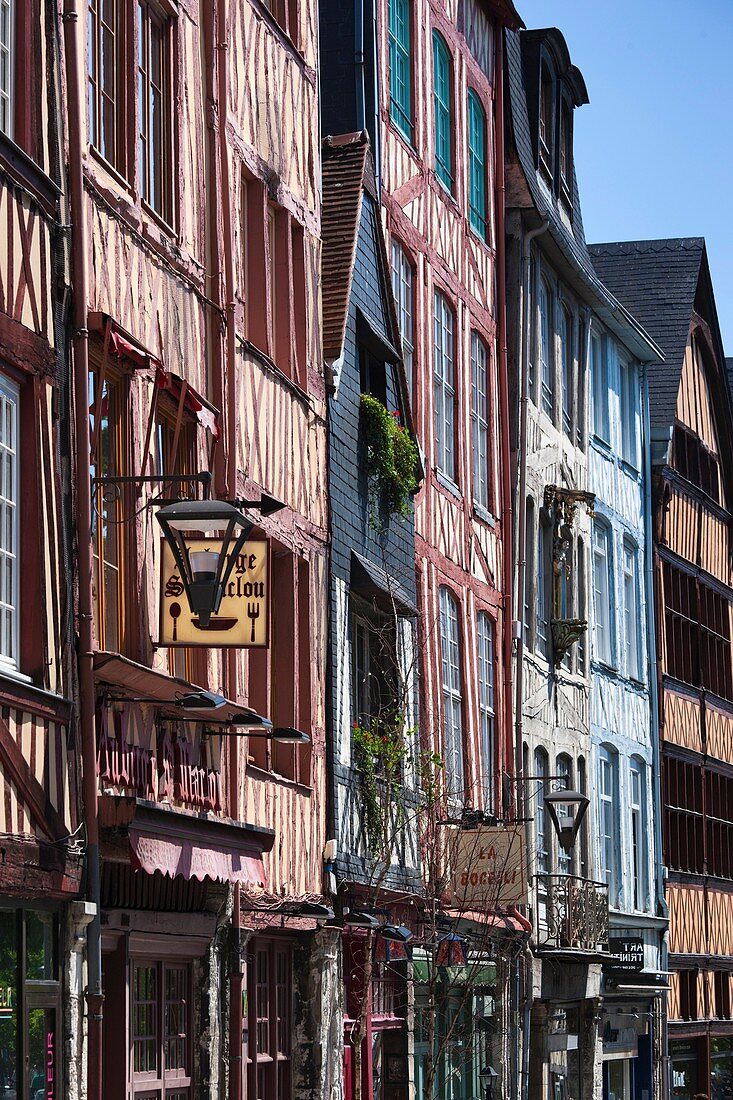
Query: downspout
[
  {"x": 80, "y": 344},
  {"x": 230, "y": 387},
  {"x": 653, "y": 667},
  {"x": 505, "y": 451}
]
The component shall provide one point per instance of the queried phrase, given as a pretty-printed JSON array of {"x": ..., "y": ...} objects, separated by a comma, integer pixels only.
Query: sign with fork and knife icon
[{"x": 243, "y": 618}]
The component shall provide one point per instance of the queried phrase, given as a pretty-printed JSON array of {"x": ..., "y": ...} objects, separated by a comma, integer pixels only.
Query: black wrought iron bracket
[{"x": 266, "y": 504}]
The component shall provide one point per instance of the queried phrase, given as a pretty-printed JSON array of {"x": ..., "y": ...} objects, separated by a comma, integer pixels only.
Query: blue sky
[{"x": 654, "y": 147}]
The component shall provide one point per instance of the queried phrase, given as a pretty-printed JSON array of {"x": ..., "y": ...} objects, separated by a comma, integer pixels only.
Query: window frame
[
  {"x": 486, "y": 661},
  {"x": 163, "y": 1083},
  {"x": 638, "y": 846},
  {"x": 399, "y": 36},
  {"x": 604, "y": 654},
  {"x": 564, "y": 770},
  {"x": 476, "y": 127},
  {"x": 546, "y": 348},
  {"x": 481, "y": 423},
  {"x": 452, "y": 695},
  {"x": 608, "y": 819},
  {"x": 631, "y": 611},
  {"x": 629, "y": 412},
  {"x": 546, "y": 118},
  {"x": 444, "y": 385},
  {"x": 600, "y": 386},
  {"x": 529, "y": 605},
  {"x": 541, "y": 769},
  {"x": 567, "y": 359},
  {"x": 8, "y": 46},
  {"x": 543, "y": 614},
  {"x": 10, "y": 608},
  {"x": 155, "y": 15},
  {"x": 443, "y": 112},
  {"x": 273, "y": 1061},
  {"x": 404, "y": 295}
]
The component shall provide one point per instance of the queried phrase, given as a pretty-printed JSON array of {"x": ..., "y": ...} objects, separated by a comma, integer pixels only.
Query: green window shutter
[
  {"x": 400, "y": 66},
  {"x": 441, "y": 93},
  {"x": 477, "y": 165}
]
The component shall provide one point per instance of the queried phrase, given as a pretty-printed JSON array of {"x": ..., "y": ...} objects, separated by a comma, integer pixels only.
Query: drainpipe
[
  {"x": 229, "y": 385},
  {"x": 80, "y": 344},
  {"x": 653, "y": 668},
  {"x": 505, "y": 451}
]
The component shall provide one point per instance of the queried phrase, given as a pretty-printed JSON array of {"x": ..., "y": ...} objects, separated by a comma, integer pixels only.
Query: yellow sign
[
  {"x": 243, "y": 618},
  {"x": 489, "y": 868}
]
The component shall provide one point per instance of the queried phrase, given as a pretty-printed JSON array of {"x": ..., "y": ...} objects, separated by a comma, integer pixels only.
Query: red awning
[
  {"x": 500, "y": 922},
  {"x": 174, "y": 842},
  {"x": 193, "y": 402}
]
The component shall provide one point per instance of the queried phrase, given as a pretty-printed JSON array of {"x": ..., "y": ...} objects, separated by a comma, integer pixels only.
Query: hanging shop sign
[
  {"x": 625, "y": 953},
  {"x": 490, "y": 868},
  {"x": 243, "y": 618}
]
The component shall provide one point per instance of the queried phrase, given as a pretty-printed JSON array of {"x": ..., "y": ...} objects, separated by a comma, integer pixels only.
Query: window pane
[
  {"x": 480, "y": 420},
  {"x": 477, "y": 165},
  {"x": 400, "y": 75},
  {"x": 40, "y": 947},
  {"x": 42, "y": 1056},
  {"x": 443, "y": 125},
  {"x": 402, "y": 290},
  {"x": 601, "y": 593},
  {"x": 599, "y": 376},
  {"x": 485, "y": 639},
  {"x": 145, "y": 1019},
  {"x": 9, "y": 545},
  {"x": 547, "y": 364},
  {"x": 541, "y": 818},
  {"x": 452, "y": 698},
  {"x": 566, "y": 351},
  {"x": 7, "y": 105},
  {"x": 444, "y": 390},
  {"x": 154, "y": 110}
]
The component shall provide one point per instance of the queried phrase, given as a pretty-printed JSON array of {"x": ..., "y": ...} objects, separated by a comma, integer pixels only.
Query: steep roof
[
  {"x": 344, "y": 161},
  {"x": 657, "y": 281}
]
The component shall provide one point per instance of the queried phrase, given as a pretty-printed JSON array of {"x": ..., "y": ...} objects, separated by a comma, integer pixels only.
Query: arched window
[
  {"x": 541, "y": 817},
  {"x": 485, "y": 645},
  {"x": 400, "y": 66},
  {"x": 547, "y": 359},
  {"x": 608, "y": 818},
  {"x": 444, "y": 387},
  {"x": 450, "y": 652},
  {"x": 477, "y": 165},
  {"x": 638, "y": 837},
  {"x": 443, "y": 113},
  {"x": 564, "y": 771},
  {"x": 480, "y": 421}
]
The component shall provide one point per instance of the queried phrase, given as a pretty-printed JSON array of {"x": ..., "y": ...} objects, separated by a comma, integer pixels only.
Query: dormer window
[
  {"x": 546, "y": 117},
  {"x": 566, "y": 150}
]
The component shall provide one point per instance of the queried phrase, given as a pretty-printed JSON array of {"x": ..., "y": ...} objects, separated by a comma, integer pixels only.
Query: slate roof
[
  {"x": 570, "y": 248},
  {"x": 343, "y": 166},
  {"x": 657, "y": 281}
]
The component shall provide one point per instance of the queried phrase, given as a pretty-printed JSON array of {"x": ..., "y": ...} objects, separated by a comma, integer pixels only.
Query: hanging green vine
[
  {"x": 392, "y": 456},
  {"x": 379, "y": 755}
]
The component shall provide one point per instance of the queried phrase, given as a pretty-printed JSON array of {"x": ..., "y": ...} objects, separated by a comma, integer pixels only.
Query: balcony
[{"x": 572, "y": 913}]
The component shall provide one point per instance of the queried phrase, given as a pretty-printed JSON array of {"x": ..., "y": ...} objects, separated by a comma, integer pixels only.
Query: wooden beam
[{"x": 18, "y": 770}]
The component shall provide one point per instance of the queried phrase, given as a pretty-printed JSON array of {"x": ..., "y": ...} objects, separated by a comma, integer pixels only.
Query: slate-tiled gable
[{"x": 657, "y": 282}]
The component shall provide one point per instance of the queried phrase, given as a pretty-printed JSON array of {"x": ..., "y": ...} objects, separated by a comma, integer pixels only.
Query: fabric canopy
[{"x": 193, "y": 402}]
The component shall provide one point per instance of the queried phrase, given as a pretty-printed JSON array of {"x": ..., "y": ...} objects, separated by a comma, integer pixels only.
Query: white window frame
[
  {"x": 9, "y": 507},
  {"x": 444, "y": 386},
  {"x": 402, "y": 289},
  {"x": 480, "y": 421},
  {"x": 450, "y": 658},
  {"x": 638, "y": 835},
  {"x": 7, "y": 51},
  {"x": 602, "y": 583},
  {"x": 541, "y": 817},
  {"x": 629, "y": 410},
  {"x": 599, "y": 380},
  {"x": 487, "y": 715},
  {"x": 631, "y": 609},
  {"x": 608, "y": 819}
]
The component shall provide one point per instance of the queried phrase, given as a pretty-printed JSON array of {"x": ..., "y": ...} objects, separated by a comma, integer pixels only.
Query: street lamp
[
  {"x": 567, "y": 810},
  {"x": 487, "y": 1076},
  {"x": 204, "y": 572}
]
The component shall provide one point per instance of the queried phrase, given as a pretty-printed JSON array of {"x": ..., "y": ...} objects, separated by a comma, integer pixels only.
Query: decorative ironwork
[{"x": 572, "y": 913}]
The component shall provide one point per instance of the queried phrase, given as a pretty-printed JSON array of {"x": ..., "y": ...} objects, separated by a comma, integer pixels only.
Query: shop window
[
  {"x": 480, "y": 422},
  {"x": 160, "y": 1005},
  {"x": 443, "y": 114},
  {"x": 155, "y": 109},
  {"x": 450, "y": 650},
  {"x": 30, "y": 1046},
  {"x": 279, "y": 678},
  {"x": 402, "y": 288},
  {"x": 269, "y": 988},
  {"x": 444, "y": 387},
  {"x": 400, "y": 66}
]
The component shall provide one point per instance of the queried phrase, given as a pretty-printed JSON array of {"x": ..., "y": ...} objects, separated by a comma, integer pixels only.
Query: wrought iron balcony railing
[{"x": 572, "y": 913}]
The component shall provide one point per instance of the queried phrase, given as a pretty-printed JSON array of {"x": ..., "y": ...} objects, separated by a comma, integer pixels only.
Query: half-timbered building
[
  {"x": 562, "y": 318},
  {"x": 667, "y": 285},
  {"x": 41, "y": 833},
  {"x": 195, "y": 224},
  {"x": 426, "y": 85}
]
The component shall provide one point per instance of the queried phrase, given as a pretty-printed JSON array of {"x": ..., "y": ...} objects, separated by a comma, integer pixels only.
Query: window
[
  {"x": 566, "y": 352},
  {"x": 631, "y": 610},
  {"x": 444, "y": 388},
  {"x": 583, "y": 788},
  {"x": 580, "y": 408},
  {"x": 639, "y": 839},
  {"x": 602, "y": 647},
  {"x": 400, "y": 66},
  {"x": 721, "y": 979},
  {"x": 564, "y": 770},
  {"x": 480, "y": 421},
  {"x": 547, "y": 363},
  {"x": 541, "y": 816},
  {"x": 684, "y": 825},
  {"x": 9, "y": 531},
  {"x": 450, "y": 652},
  {"x": 608, "y": 818},
  {"x": 629, "y": 399},
  {"x": 402, "y": 290},
  {"x": 688, "y": 994},
  {"x": 566, "y": 149},
  {"x": 270, "y": 1007},
  {"x": 530, "y": 540},
  {"x": 476, "y": 165},
  {"x": 485, "y": 640},
  {"x": 697, "y": 631},
  {"x": 443, "y": 121},
  {"x": 581, "y": 645},
  {"x": 154, "y": 91},
  {"x": 285, "y": 13},
  {"x": 599, "y": 378},
  {"x": 105, "y": 75},
  {"x": 532, "y": 314},
  {"x": 373, "y": 669},
  {"x": 544, "y": 587},
  {"x": 7, "y": 66},
  {"x": 107, "y": 405},
  {"x": 695, "y": 462},
  {"x": 547, "y": 105},
  {"x": 161, "y": 1030}
]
